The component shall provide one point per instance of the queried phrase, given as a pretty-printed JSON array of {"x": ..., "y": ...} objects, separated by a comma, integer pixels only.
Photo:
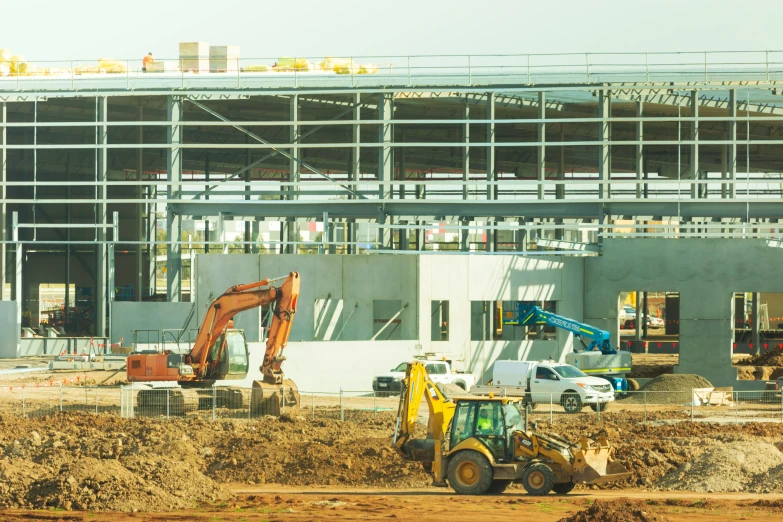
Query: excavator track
[{"x": 275, "y": 399}]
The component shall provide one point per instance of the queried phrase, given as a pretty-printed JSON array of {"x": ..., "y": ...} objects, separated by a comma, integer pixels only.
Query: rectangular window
[
  {"x": 464, "y": 421},
  {"x": 439, "y": 319}
]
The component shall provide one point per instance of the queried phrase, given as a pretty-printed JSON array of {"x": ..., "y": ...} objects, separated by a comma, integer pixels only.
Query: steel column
[
  {"x": 466, "y": 151},
  {"x": 3, "y": 197},
  {"x": 152, "y": 234},
  {"x": 385, "y": 154},
  {"x": 291, "y": 227},
  {"x": 101, "y": 290},
  {"x": 639, "y": 148},
  {"x": 695, "y": 146},
  {"x": 724, "y": 174},
  {"x": 140, "y": 210},
  {"x": 560, "y": 189},
  {"x": 174, "y": 221},
  {"x": 355, "y": 166},
  {"x": 490, "y": 165},
  {"x": 67, "y": 307},
  {"x": 17, "y": 289},
  {"x": 247, "y": 198},
  {"x": 755, "y": 323},
  {"x": 733, "y": 139},
  {"x": 207, "y": 237},
  {"x": 604, "y": 149},
  {"x": 541, "y": 170}
]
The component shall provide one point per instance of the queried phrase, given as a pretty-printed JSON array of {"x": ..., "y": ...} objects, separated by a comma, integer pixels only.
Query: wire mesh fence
[{"x": 220, "y": 402}]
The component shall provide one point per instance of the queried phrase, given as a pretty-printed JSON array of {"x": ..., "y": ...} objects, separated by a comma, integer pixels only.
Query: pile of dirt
[
  {"x": 106, "y": 463},
  {"x": 676, "y": 382},
  {"x": 734, "y": 466},
  {"x": 616, "y": 511},
  {"x": 769, "y": 358}
]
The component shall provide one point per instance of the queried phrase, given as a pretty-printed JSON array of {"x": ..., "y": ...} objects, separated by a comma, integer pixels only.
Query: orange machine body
[{"x": 203, "y": 361}]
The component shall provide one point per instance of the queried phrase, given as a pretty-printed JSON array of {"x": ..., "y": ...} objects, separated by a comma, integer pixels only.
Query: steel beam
[
  {"x": 173, "y": 218},
  {"x": 369, "y": 209},
  {"x": 101, "y": 290}
]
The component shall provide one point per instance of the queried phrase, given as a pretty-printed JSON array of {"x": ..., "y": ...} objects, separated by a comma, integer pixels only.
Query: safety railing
[
  {"x": 391, "y": 71},
  {"x": 220, "y": 402}
]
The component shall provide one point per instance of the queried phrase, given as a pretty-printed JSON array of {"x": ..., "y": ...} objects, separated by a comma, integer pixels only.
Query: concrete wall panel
[
  {"x": 10, "y": 346},
  {"x": 129, "y": 315}
]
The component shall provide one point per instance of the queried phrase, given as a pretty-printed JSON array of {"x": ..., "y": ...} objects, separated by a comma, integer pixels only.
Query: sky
[{"x": 43, "y": 30}]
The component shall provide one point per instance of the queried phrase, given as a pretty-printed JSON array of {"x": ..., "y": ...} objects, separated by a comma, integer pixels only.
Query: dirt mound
[
  {"x": 728, "y": 467},
  {"x": 676, "y": 382},
  {"x": 769, "y": 358},
  {"x": 769, "y": 482},
  {"x": 616, "y": 511}
]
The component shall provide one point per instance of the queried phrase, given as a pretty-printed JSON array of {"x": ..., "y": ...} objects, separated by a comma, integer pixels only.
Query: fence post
[
  {"x": 693, "y": 399},
  {"x": 551, "y": 413},
  {"x": 86, "y": 397},
  {"x": 168, "y": 403},
  {"x": 781, "y": 406},
  {"x": 23, "y": 409},
  {"x": 282, "y": 395},
  {"x": 312, "y": 398},
  {"x": 736, "y": 409},
  {"x": 342, "y": 406},
  {"x": 374, "y": 403},
  {"x": 61, "y": 398},
  {"x": 645, "y": 405},
  {"x": 96, "y": 400},
  {"x": 214, "y": 401}
]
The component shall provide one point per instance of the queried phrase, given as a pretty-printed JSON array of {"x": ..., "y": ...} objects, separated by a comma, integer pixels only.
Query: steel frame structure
[{"x": 501, "y": 167}]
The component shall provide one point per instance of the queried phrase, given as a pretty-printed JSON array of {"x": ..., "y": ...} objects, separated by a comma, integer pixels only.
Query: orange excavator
[{"x": 191, "y": 380}]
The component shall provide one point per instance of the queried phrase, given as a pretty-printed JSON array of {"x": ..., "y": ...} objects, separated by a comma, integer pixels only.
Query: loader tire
[
  {"x": 633, "y": 385},
  {"x": 499, "y": 486},
  {"x": 470, "y": 473},
  {"x": 571, "y": 402},
  {"x": 563, "y": 488},
  {"x": 538, "y": 479}
]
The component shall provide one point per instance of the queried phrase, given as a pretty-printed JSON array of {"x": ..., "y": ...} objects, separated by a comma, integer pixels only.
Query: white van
[{"x": 545, "y": 381}]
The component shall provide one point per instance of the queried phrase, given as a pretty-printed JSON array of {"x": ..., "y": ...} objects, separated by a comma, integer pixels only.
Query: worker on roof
[
  {"x": 147, "y": 60},
  {"x": 484, "y": 423}
]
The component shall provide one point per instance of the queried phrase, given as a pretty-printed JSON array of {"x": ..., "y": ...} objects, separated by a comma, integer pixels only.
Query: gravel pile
[{"x": 733, "y": 466}]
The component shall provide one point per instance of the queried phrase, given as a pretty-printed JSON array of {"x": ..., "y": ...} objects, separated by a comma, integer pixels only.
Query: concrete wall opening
[
  {"x": 439, "y": 319},
  {"x": 757, "y": 322},
  {"x": 651, "y": 317},
  {"x": 51, "y": 305}
]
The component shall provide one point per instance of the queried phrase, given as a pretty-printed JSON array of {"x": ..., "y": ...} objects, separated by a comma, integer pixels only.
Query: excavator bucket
[
  {"x": 275, "y": 399},
  {"x": 594, "y": 464}
]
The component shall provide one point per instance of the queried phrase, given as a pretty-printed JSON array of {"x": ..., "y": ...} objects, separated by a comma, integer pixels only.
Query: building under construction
[{"x": 567, "y": 178}]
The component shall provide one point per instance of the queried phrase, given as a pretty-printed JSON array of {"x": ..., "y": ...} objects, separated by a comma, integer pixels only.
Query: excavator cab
[{"x": 234, "y": 355}]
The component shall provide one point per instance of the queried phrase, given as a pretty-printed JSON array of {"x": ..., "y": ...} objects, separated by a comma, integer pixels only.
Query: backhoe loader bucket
[
  {"x": 275, "y": 399},
  {"x": 594, "y": 464}
]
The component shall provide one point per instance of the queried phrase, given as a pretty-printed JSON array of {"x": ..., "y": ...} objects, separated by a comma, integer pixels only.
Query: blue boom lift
[{"x": 611, "y": 364}]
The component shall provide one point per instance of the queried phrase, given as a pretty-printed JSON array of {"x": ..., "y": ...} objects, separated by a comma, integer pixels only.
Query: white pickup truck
[
  {"x": 440, "y": 372},
  {"x": 545, "y": 381}
]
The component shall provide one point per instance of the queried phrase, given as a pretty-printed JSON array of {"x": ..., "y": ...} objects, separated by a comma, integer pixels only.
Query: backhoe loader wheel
[
  {"x": 470, "y": 473},
  {"x": 563, "y": 488},
  {"x": 571, "y": 402},
  {"x": 538, "y": 479},
  {"x": 499, "y": 486}
]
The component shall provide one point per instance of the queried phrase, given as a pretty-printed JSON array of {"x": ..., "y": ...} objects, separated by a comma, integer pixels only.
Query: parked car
[
  {"x": 440, "y": 372},
  {"x": 627, "y": 312}
]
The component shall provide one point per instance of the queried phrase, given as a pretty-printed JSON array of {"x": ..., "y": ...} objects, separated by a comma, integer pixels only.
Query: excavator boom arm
[
  {"x": 238, "y": 299},
  {"x": 417, "y": 384}
]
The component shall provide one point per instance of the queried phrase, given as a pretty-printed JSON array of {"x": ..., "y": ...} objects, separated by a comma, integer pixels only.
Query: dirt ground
[{"x": 279, "y": 503}]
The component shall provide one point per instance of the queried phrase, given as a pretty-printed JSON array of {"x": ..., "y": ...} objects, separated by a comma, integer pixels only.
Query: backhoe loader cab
[{"x": 481, "y": 444}]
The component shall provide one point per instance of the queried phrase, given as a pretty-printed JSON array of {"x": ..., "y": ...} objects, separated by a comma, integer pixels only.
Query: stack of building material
[
  {"x": 223, "y": 58},
  {"x": 14, "y": 65},
  {"x": 194, "y": 56}
]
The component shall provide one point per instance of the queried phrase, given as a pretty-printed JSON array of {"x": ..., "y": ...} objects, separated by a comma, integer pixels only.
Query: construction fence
[{"x": 218, "y": 403}]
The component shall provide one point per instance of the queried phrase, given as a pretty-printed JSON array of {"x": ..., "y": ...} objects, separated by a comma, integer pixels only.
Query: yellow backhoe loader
[{"x": 480, "y": 444}]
